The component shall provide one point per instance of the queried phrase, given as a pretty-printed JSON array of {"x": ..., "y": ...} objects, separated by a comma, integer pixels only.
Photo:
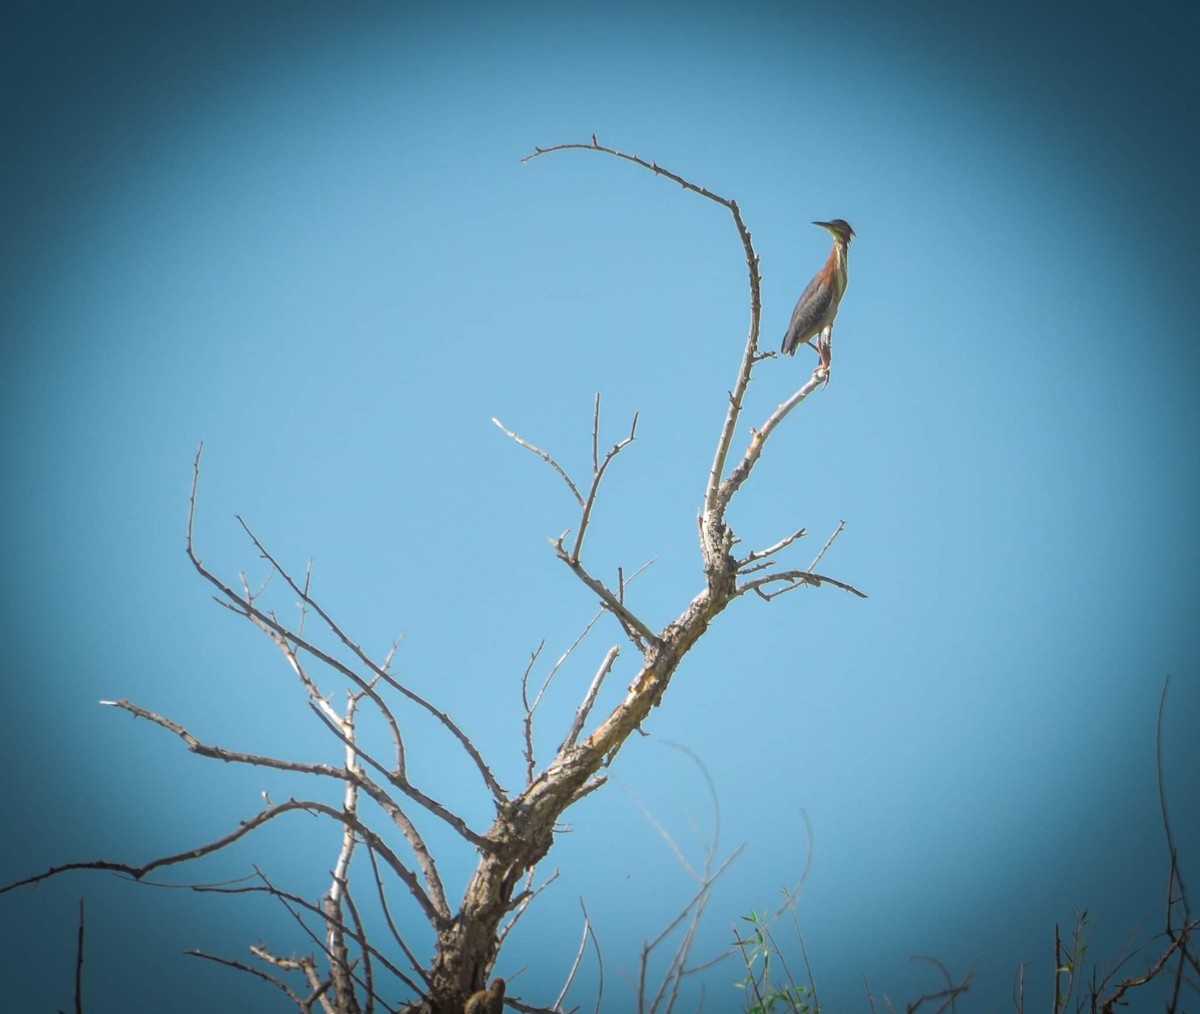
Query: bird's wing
[{"x": 808, "y": 316}]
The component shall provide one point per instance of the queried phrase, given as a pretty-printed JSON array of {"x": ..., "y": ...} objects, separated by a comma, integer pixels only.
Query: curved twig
[
  {"x": 794, "y": 579},
  {"x": 546, "y": 457},
  {"x": 751, "y": 356}
]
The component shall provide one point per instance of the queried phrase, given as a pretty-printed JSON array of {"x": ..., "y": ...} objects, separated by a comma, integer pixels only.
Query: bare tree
[{"x": 345, "y": 976}]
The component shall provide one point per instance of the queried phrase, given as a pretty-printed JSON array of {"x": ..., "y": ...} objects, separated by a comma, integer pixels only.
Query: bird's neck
[{"x": 839, "y": 264}]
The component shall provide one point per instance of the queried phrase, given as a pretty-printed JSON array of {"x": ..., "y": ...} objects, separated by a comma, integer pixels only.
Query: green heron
[
  {"x": 487, "y": 1001},
  {"x": 817, "y": 306}
]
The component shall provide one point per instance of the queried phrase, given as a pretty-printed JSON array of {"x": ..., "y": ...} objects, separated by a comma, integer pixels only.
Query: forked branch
[
  {"x": 598, "y": 469},
  {"x": 758, "y": 440},
  {"x": 791, "y": 580},
  {"x": 243, "y": 604},
  {"x": 614, "y": 602},
  {"x": 633, "y": 626}
]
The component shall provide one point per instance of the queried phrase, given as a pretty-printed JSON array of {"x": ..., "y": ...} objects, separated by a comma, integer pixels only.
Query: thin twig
[
  {"x": 79, "y": 964},
  {"x": 1180, "y": 942},
  {"x": 748, "y": 960},
  {"x": 437, "y": 897},
  {"x": 950, "y": 994},
  {"x": 634, "y": 628},
  {"x": 545, "y": 457},
  {"x": 678, "y": 966},
  {"x": 387, "y": 915},
  {"x": 436, "y": 918},
  {"x": 340, "y": 984},
  {"x": 825, "y": 548},
  {"x": 870, "y": 998},
  {"x": 599, "y": 966},
  {"x": 598, "y": 476},
  {"x": 250, "y": 970},
  {"x": 532, "y": 709},
  {"x": 368, "y": 973},
  {"x": 1059, "y": 999},
  {"x": 793, "y": 579},
  {"x": 529, "y": 710},
  {"x": 760, "y": 554},
  {"x": 589, "y": 699},
  {"x": 1173, "y": 854},
  {"x": 596, "y": 435},
  {"x": 397, "y": 779},
  {"x": 703, "y": 891},
  {"x": 789, "y": 904},
  {"x": 1018, "y": 990},
  {"x": 587, "y": 930},
  {"x": 288, "y": 900},
  {"x": 520, "y": 904},
  {"x": 618, "y": 608},
  {"x": 758, "y": 440},
  {"x": 303, "y": 603}
]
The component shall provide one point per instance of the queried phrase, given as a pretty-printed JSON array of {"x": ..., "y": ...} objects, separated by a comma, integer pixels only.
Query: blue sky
[{"x": 304, "y": 235}]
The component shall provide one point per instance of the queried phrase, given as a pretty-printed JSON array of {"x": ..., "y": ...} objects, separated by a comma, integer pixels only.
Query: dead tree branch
[
  {"x": 354, "y": 777},
  {"x": 762, "y": 554},
  {"x": 949, "y": 996},
  {"x": 614, "y": 602},
  {"x": 339, "y": 890},
  {"x": 244, "y": 606},
  {"x": 546, "y": 458},
  {"x": 291, "y": 902},
  {"x": 792, "y": 579},
  {"x": 589, "y": 699},
  {"x": 530, "y": 708},
  {"x": 633, "y": 626},
  {"x": 523, "y": 831},
  {"x": 79, "y": 964},
  {"x": 598, "y": 470},
  {"x": 241, "y": 966},
  {"x": 722, "y": 496},
  {"x": 379, "y": 671},
  {"x": 588, "y": 933},
  {"x": 750, "y": 357}
]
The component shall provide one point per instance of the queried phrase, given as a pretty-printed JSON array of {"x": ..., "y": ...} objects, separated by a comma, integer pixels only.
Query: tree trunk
[{"x": 524, "y": 829}]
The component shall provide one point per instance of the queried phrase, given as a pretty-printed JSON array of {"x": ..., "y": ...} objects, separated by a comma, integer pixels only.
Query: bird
[
  {"x": 487, "y": 1001},
  {"x": 817, "y": 306}
]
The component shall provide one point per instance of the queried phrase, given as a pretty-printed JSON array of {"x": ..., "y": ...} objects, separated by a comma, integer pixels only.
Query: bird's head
[{"x": 839, "y": 228}]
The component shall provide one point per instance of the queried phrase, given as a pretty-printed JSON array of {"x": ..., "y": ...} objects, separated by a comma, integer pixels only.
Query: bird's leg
[
  {"x": 819, "y": 349},
  {"x": 825, "y": 351}
]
